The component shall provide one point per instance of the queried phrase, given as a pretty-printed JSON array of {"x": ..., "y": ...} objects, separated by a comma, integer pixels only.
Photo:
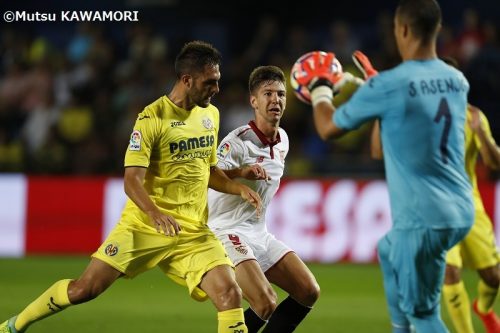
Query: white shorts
[{"x": 263, "y": 247}]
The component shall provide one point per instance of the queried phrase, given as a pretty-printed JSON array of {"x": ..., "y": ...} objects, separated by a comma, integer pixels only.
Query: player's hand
[
  {"x": 319, "y": 71},
  {"x": 252, "y": 197},
  {"x": 164, "y": 223},
  {"x": 364, "y": 65},
  {"x": 254, "y": 172}
]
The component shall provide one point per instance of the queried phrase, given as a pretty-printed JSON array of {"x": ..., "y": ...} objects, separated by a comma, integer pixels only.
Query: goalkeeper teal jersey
[{"x": 422, "y": 109}]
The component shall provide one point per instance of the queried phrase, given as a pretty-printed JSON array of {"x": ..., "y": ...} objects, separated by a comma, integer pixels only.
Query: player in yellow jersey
[
  {"x": 478, "y": 249},
  {"x": 169, "y": 165}
]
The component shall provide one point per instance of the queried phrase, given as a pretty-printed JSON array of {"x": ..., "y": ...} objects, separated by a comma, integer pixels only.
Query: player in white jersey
[{"x": 256, "y": 152}]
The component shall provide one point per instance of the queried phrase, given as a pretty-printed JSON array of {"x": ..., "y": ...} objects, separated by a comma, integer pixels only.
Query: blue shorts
[{"x": 417, "y": 259}]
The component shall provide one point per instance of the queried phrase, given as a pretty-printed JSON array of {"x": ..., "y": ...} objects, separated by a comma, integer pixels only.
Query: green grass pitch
[{"x": 351, "y": 300}]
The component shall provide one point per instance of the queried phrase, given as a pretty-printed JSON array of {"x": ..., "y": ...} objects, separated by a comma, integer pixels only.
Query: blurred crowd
[{"x": 69, "y": 95}]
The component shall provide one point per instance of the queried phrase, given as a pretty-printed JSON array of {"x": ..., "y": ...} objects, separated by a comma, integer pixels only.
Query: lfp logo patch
[
  {"x": 111, "y": 250},
  {"x": 224, "y": 150},
  {"x": 207, "y": 123},
  {"x": 135, "y": 141}
]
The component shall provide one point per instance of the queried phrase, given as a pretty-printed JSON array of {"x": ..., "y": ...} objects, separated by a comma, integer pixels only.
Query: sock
[
  {"x": 232, "y": 321},
  {"x": 486, "y": 297},
  {"x": 53, "y": 300},
  {"x": 253, "y": 321},
  {"x": 458, "y": 305},
  {"x": 286, "y": 317}
]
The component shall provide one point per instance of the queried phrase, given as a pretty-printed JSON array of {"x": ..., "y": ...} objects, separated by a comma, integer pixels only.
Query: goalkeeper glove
[
  {"x": 320, "y": 70},
  {"x": 320, "y": 76},
  {"x": 364, "y": 65}
]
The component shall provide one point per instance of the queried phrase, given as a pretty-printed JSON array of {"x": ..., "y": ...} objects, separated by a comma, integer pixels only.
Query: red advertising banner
[
  {"x": 64, "y": 215},
  {"x": 323, "y": 220}
]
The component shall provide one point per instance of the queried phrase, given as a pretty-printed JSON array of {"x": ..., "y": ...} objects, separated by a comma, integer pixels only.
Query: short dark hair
[
  {"x": 264, "y": 74},
  {"x": 194, "y": 56},
  {"x": 423, "y": 17}
]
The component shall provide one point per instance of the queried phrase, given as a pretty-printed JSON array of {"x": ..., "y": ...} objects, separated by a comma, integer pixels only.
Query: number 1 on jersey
[{"x": 444, "y": 111}]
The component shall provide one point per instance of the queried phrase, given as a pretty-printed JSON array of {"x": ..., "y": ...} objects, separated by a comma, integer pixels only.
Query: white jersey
[{"x": 247, "y": 145}]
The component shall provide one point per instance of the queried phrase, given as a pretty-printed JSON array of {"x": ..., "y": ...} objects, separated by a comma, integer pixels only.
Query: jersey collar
[{"x": 263, "y": 138}]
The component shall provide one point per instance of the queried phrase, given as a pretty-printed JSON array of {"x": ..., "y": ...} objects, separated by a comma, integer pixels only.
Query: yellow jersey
[
  {"x": 472, "y": 146},
  {"x": 177, "y": 147}
]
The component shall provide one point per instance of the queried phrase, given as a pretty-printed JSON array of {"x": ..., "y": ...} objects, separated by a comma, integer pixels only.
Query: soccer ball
[{"x": 301, "y": 91}]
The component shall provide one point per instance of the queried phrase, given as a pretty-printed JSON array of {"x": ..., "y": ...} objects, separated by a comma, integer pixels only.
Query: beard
[{"x": 203, "y": 101}]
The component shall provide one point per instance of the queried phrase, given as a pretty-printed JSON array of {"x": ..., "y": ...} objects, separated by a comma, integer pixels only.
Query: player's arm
[
  {"x": 231, "y": 155},
  {"x": 251, "y": 172},
  {"x": 330, "y": 129},
  {"x": 219, "y": 181},
  {"x": 364, "y": 65},
  {"x": 134, "y": 188},
  {"x": 490, "y": 152},
  {"x": 376, "y": 151},
  {"x": 323, "y": 111},
  {"x": 320, "y": 77}
]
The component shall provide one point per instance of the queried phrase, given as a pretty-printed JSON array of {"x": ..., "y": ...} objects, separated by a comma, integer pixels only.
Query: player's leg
[
  {"x": 487, "y": 292},
  {"x": 455, "y": 295},
  {"x": 399, "y": 321},
  {"x": 428, "y": 247},
  {"x": 220, "y": 285},
  {"x": 97, "y": 277},
  {"x": 293, "y": 276},
  {"x": 485, "y": 258},
  {"x": 256, "y": 289},
  {"x": 258, "y": 292},
  {"x": 488, "y": 287},
  {"x": 200, "y": 262},
  {"x": 140, "y": 249}
]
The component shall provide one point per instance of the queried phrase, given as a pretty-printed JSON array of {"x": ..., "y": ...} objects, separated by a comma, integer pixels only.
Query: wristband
[{"x": 321, "y": 94}]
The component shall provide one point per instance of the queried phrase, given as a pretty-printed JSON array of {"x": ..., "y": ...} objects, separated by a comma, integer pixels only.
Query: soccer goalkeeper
[
  {"x": 421, "y": 108},
  {"x": 478, "y": 249}
]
